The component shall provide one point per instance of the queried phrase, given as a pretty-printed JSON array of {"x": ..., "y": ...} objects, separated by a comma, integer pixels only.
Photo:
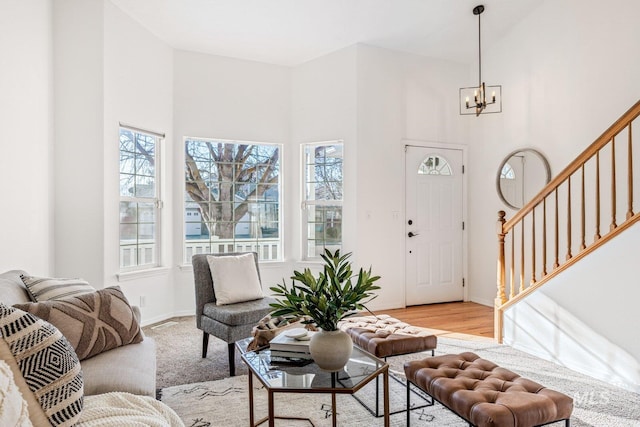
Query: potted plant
[{"x": 336, "y": 293}]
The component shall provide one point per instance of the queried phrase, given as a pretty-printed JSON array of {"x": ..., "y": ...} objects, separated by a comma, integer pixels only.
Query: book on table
[
  {"x": 290, "y": 354},
  {"x": 285, "y": 343}
]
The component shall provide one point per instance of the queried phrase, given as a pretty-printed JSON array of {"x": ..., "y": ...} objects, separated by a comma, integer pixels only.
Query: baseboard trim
[
  {"x": 163, "y": 317},
  {"x": 488, "y": 303}
]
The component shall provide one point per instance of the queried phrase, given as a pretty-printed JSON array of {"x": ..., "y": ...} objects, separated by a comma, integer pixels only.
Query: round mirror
[{"x": 521, "y": 175}]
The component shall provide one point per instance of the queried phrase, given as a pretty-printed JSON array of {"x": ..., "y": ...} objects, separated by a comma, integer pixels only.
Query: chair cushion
[
  {"x": 130, "y": 368},
  {"x": 92, "y": 322},
  {"x": 235, "y": 278},
  {"x": 242, "y": 313}
]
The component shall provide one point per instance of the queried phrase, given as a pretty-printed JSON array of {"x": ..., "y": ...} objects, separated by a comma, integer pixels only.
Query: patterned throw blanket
[{"x": 119, "y": 409}]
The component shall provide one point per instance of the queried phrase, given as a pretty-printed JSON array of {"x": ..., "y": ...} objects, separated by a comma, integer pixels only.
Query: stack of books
[{"x": 291, "y": 345}]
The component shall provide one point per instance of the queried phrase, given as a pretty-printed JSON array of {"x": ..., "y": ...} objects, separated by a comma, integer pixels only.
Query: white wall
[
  {"x": 26, "y": 136},
  {"x": 218, "y": 97},
  {"x": 566, "y": 77},
  {"x": 324, "y": 108},
  {"x": 562, "y": 87},
  {"x": 372, "y": 99},
  {"x": 400, "y": 97},
  {"x": 138, "y": 91},
  {"x": 587, "y": 317},
  {"x": 79, "y": 151},
  {"x": 107, "y": 70}
]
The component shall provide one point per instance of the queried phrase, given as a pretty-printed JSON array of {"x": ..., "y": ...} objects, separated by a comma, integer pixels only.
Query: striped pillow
[
  {"x": 45, "y": 367},
  {"x": 45, "y": 289}
]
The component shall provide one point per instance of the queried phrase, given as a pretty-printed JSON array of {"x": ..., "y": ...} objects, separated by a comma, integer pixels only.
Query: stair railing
[{"x": 549, "y": 233}]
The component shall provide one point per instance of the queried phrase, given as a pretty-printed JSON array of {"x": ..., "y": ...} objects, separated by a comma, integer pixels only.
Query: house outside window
[
  {"x": 322, "y": 197},
  {"x": 232, "y": 198},
  {"x": 139, "y": 199}
]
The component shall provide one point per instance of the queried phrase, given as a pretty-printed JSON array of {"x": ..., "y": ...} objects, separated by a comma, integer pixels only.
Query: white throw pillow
[{"x": 235, "y": 278}]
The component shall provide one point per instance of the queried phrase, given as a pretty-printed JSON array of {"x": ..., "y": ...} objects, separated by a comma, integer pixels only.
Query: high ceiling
[{"x": 290, "y": 32}]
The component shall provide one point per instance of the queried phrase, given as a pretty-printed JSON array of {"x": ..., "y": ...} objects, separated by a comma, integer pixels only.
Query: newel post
[{"x": 501, "y": 297}]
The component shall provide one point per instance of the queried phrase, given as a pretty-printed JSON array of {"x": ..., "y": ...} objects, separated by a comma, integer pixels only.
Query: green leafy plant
[{"x": 334, "y": 294}]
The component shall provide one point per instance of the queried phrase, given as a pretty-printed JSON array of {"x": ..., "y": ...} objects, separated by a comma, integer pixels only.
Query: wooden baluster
[
  {"x": 583, "y": 244},
  {"x": 613, "y": 185},
  {"x": 533, "y": 246},
  {"x": 544, "y": 237},
  {"x": 512, "y": 271},
  {"x": 522, "y": 255},
  {"x": 569, "y": 218},
  {"x": 501, "y": 297},
  {"x": 597, "y": 235},
  {"x": 556, "y": 264},
  {"x": 630, "y": 176}
]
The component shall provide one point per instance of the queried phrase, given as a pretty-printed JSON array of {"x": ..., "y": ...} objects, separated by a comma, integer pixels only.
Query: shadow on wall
[{"x": 540, "y": 326}]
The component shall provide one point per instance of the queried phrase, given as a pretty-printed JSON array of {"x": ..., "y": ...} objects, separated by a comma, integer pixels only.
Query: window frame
[
  {"x": 306, "y": 202},
  {"x": 186, "y": 254},
  {"x": 155, "y": 200},
  {"x": 437, "y": 169}
]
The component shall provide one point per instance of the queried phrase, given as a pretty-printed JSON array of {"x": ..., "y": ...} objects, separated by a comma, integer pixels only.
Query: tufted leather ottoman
[
  {"x": 484, "y": 394},
  {"x": 385, "y": 336}
]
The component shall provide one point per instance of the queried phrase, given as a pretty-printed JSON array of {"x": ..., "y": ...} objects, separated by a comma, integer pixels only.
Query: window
[
  {"x": 507, "y": 172},
  {"x": 232, "y": 198},
  {"x": 139, "y": 199},
  {"x": 322, "y": 197},
  {"x": 434, "y": 165}
]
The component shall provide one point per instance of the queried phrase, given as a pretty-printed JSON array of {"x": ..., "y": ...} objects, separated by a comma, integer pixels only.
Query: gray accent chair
[{"x": 230, "y": 322}]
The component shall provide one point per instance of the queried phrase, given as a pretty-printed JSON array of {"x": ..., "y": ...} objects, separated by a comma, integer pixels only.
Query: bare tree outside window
[
  {"x": 323, "y": 197},
  {"x": 232, "y": 195},
  {"x": 139, "y": 199}
]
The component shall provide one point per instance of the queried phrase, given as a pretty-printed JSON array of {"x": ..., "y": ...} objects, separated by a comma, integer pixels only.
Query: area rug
[{"x": 225, "y": 402}]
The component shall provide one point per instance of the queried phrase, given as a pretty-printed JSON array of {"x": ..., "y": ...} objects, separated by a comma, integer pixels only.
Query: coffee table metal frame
[
  {"x": 428, "y": 400},
  {"x": 361, "y": 369}
]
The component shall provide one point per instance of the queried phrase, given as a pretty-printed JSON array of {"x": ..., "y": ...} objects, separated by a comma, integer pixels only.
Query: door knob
[{"x": 412, "y": 234}]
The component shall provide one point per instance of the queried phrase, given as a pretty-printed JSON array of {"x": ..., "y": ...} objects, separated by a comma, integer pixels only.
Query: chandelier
[{"x": 482, "y": 98}]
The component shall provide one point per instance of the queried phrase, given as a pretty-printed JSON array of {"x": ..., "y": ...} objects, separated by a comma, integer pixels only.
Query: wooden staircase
[{"x": 549, "y": 234}]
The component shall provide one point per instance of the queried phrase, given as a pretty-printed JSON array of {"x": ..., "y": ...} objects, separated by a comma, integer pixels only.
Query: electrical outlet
[{"x": 143, "y": 300}]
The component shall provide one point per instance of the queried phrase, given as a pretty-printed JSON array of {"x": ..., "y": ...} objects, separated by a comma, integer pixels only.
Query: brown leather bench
[{"x": 484, "y": 394}]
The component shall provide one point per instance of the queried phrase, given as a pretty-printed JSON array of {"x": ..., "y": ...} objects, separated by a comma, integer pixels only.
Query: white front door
[{"x": 433, "y": 227}]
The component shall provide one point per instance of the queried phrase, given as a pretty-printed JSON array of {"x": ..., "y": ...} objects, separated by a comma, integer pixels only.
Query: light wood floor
[{"x": 459, "y": 317}]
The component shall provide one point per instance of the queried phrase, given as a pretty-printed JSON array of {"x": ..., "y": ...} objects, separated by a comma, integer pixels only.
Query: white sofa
[{"x": 130, "y": 368}]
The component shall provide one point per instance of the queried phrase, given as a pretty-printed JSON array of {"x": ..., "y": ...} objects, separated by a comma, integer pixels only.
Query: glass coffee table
[{"x": 290, "y": 378}]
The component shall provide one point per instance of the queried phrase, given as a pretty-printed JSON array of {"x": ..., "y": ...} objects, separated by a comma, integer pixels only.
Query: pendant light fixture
[{"x": 482, "y": 98}]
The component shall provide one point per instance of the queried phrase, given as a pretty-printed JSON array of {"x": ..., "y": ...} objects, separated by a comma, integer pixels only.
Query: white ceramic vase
[{"x": 331, "y": 349}]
